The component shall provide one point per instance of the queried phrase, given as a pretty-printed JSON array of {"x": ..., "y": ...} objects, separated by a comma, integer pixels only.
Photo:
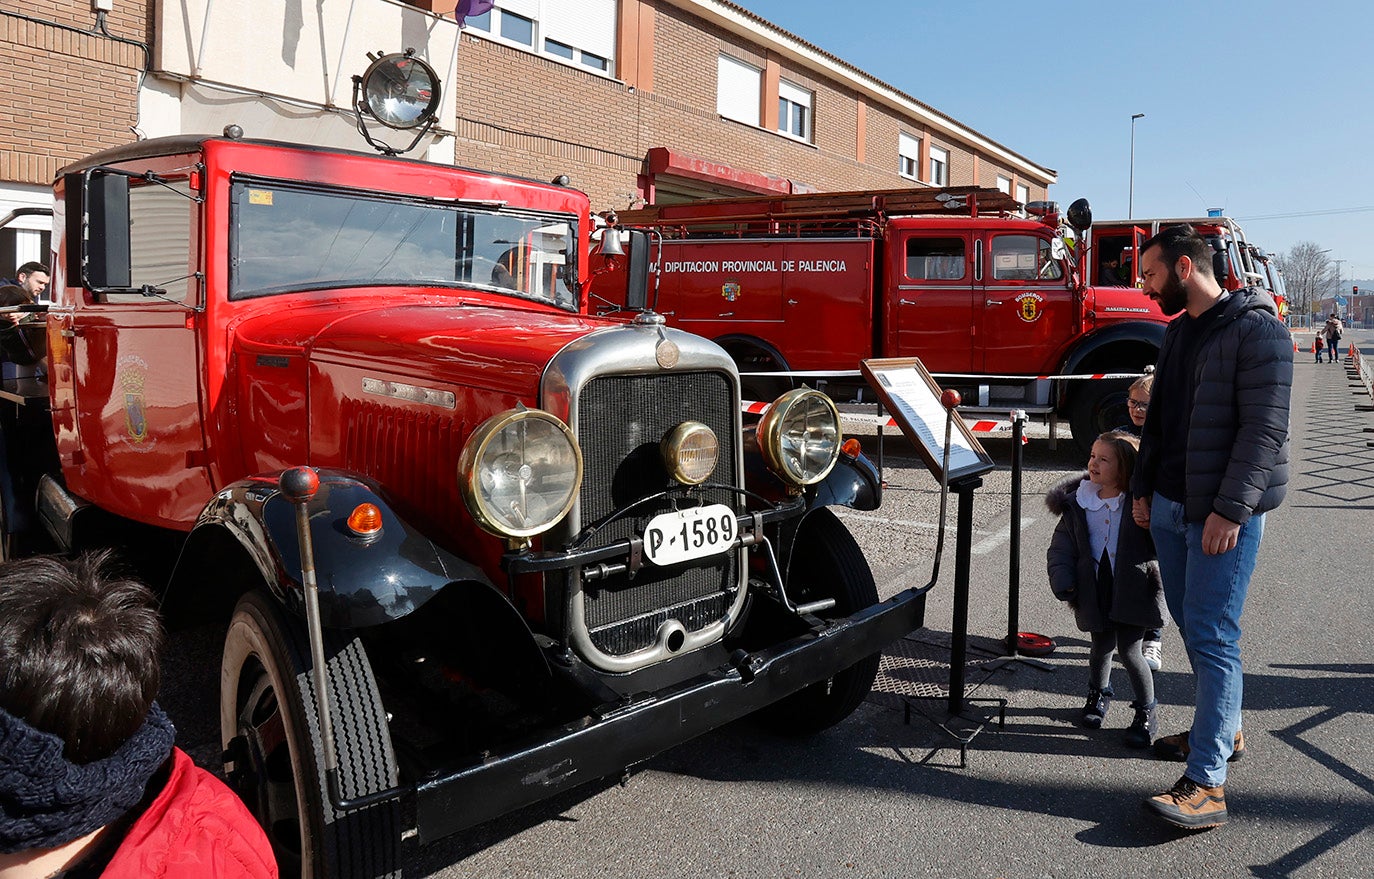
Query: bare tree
[{"x": 1309, "y": 275}]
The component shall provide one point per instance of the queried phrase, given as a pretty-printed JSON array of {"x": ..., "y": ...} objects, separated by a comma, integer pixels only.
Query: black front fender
[
  {"x": 363, "y": 582},
  {"x": 852, "y": 482}
]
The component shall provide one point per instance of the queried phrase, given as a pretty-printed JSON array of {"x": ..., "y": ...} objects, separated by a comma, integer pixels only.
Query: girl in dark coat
[{"x": 1104, "y": 566}]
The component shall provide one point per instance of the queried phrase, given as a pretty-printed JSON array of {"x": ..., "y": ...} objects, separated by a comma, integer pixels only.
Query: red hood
[{"x": 496, "y": 348}]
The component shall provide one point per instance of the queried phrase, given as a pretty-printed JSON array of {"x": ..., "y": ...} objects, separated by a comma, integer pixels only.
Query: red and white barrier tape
[{"x": 751, "y": 407}]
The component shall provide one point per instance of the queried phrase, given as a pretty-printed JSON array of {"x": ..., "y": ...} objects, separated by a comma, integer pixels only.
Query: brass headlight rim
[
  {"x": 769, "y": 432},
  {"x": 670, "y": 450},
  {"x": 476, "y": 444}
]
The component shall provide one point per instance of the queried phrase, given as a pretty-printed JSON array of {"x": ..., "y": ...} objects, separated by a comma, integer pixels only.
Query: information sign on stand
[{"x": 911, "y": 395}]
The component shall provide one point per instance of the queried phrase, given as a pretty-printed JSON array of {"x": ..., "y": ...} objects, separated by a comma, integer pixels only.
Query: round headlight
[
  {"x": 689, "y": 452},
  {"x": 520, "y": 472},
  {"x": 401, "y": 90},
  {"x": 799, "y": 436}
]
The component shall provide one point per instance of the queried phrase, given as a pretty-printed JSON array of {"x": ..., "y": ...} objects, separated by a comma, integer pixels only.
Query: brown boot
[
  {"x": 1175, "y": 747},
  {"x": 1190, "y": 805}
]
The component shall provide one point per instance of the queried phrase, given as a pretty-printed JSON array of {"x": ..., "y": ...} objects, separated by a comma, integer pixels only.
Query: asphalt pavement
[{"x": 883, "y": 794}]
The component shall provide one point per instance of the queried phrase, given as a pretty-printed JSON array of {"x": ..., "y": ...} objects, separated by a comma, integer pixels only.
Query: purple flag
[{"x": 471, "y": 9}]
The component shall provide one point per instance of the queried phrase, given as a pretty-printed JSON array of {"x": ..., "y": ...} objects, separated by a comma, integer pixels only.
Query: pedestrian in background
[
  {"x": 90, "y": 781},
  {"x": 1317, "y": 344},
  {"x": 1332, "y": 331},
  {"x": 1102, "y": 565},
  {"x": 1213, "y": 460}
]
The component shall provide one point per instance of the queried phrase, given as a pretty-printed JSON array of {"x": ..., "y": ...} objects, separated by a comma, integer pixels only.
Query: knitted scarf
[{"x": 47, "y": 801}]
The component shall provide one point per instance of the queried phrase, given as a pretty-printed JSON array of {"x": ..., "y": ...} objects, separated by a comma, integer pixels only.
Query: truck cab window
[
  {"x": 160, "y": 226},
  {"x": 1024, "y": 258},
  {"x": 289, "y": 239},
  {"x": 935, "y": 259}
]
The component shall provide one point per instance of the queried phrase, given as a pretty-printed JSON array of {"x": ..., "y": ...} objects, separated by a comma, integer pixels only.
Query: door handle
[
  {"x": 906, "y": 302},
  {"x": 726, "y": 314},
  {"x": 992, "y": 302}
]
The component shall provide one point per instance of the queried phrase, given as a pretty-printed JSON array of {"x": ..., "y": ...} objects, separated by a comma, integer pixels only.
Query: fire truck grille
[{"x": 621, "y": 420}]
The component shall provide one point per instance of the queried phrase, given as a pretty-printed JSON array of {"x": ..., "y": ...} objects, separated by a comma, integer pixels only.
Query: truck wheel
[
  {"x": 752, "y": 356},
  {"x": 827, "y": 563},
  {"x": 271, "y": 736},
  {"x": 1099, "y": 407}
]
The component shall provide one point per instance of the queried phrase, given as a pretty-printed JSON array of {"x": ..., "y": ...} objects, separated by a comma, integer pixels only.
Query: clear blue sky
[{"x": 1261, "y": 108}]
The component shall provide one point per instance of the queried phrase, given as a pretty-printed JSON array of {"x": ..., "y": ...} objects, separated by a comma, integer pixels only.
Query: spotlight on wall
[{"x": 401, "y": 92}]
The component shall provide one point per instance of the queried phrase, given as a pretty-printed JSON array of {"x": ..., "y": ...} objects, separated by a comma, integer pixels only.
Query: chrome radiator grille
[{"x": 621, "y": 420}]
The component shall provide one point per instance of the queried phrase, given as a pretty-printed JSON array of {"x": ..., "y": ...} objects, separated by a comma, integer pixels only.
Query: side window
[
  {"x": 1023, "y": 258},
  {"x": 160, "y": 222},
  {"x": 935, "y": 259}
]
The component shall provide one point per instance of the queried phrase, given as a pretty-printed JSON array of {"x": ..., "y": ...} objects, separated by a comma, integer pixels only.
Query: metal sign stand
[
  {"x": 1014, "y": 633},
  {"x": 957, "y": 725}
]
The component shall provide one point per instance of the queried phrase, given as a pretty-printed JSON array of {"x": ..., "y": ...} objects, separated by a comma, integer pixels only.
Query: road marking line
[{"x": 998, "y": 537}]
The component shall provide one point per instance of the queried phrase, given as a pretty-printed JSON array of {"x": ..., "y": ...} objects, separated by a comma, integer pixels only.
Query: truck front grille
[{"x": 621, "y": 420}]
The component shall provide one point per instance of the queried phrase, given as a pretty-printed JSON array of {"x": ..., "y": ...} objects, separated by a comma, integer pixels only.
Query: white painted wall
[{"x": 282, "y": 69}]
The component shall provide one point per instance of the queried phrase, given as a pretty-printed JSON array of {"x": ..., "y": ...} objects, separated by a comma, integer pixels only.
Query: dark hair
[
  {"x": 79, "y": 650},
  {"x": 29, "y": 268},
  {"x": 1183, "y": 240},
  {"x": 1126, "y": 446}
]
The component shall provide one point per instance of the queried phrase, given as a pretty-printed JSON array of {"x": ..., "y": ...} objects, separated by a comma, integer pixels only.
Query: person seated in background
[
  {"x": 1110, "y": 273},
  {"x": 91, "y": 783}
]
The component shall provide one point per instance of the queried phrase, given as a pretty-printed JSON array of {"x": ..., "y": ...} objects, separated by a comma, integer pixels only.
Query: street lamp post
[{"x": 1130, "y": 195}]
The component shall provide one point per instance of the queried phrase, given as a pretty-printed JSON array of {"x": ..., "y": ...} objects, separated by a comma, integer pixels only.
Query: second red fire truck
[{"x": 995, "y": 303}]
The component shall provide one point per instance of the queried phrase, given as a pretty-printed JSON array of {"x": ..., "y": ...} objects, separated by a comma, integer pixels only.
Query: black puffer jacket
[
  {"x": 1134, "y": 599},
  {"x": 1238, "y": 430}
]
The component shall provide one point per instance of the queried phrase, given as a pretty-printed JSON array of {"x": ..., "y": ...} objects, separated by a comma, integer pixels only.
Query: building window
[
  {"x": 909, "y": 156},
  {"x": 794, "y": 111},
  {"x": 939, "y": 166},
  {"x": 1004, "y": 184},
  {"x": 1022, "y": 193},
  {"x": 737, "y": 90},
  {"x": 581, "y": 32}
]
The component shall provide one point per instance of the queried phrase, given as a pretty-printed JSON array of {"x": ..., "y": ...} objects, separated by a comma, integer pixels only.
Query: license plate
[{"x": 686, "y": 535}]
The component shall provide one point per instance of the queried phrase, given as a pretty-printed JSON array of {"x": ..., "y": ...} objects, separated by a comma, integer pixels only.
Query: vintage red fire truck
[
  {"x": 995, "y": 304},
  {"x": 353, "y": 407}
]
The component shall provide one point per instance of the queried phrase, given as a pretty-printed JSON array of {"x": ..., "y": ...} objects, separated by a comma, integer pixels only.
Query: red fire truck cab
[
  {"x": 993, "y": 303},
  {"x": 353, "y": 407},
  {"x": 1115, "y": 245}
]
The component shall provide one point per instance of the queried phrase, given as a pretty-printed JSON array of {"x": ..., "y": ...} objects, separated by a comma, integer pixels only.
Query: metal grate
[{"x": 621, "y": 420}]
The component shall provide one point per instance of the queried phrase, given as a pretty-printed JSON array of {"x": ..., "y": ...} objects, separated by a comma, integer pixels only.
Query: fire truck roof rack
[{"x": 951, "y": 201}]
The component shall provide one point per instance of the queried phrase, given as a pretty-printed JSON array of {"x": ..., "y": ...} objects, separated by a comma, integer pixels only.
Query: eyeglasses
[{"x": 1138, "y": 405}]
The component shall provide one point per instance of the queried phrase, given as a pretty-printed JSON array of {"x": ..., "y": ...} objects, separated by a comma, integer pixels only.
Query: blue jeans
[
  {"x": 1333, "y": 351},
  {"x": 1206, "y": 594}
]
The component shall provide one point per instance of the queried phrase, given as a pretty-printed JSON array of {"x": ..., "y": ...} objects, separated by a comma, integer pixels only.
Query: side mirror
[
  {"x": 1080, "y": 215},
  {"x": 105, "y": 239},
  {"x": 637, "y": 271}
]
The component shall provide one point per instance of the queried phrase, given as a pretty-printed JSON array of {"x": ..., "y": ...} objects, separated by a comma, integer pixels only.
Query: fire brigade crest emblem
[
  {"x": 135, "y": 416},
  {"x": 730, "y": 290},
  {"x": 1028, "y": 307}
]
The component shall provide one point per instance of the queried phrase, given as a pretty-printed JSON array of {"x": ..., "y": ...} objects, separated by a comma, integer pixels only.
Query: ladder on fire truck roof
[{"x": 953, "y": 201}]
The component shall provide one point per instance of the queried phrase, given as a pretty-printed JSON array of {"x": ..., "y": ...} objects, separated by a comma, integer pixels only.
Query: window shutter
[
  {"x": 908, "y": 146},
  {"x": 585, "y": 24},
  {"x": 737, "y": 90}
]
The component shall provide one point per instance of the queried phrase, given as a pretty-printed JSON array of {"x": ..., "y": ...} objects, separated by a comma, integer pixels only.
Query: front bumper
[{"x": 610, "y": 742}]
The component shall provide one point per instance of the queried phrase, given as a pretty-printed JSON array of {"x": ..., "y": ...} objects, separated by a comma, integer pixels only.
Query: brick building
[{"x": 635, "y": 100}]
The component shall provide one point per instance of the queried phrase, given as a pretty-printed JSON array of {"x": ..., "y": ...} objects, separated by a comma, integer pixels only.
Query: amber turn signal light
[
  {"x": 365, "y": 520},
  {"x": 851, "y": 448}
]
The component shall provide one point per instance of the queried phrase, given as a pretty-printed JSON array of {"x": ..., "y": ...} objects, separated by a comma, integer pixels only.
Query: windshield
[{"x": 289, "y": 238}]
